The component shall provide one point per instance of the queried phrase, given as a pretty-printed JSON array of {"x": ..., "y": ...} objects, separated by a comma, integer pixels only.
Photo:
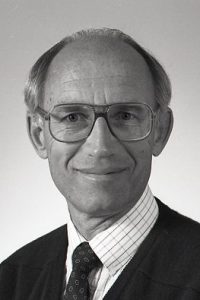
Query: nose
[{"x": 101, "y": 141}]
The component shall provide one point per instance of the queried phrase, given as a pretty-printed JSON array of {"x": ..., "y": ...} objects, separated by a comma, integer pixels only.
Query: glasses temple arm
[{"x": 42, "y": 112}]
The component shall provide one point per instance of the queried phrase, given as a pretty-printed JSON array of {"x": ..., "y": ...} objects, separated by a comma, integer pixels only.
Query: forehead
[{"x": 98, "y": 71}]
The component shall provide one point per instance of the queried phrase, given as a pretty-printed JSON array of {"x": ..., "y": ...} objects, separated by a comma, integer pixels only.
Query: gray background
[{"x": 30, "y": 205}]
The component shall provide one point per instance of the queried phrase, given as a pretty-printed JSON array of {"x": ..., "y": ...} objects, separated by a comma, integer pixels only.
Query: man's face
[{"x": 99, "y": 176}]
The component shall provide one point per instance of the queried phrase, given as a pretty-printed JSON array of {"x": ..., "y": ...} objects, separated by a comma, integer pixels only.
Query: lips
[{"x": 101, "y": 171}]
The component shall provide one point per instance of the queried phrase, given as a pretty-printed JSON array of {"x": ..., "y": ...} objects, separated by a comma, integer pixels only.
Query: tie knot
[{"x": 84, "y": 259}]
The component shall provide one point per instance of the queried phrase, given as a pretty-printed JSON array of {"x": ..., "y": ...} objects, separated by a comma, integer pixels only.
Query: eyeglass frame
[{"x": 46, "y": 116}]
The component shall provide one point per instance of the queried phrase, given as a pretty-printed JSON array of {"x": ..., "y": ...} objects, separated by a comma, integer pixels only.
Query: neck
[{"x": 89, "y": 226}]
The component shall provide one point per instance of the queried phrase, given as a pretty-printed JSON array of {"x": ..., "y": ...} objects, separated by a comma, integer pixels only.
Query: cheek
[
  {"x": 59, "y": 157},
  {"x": 58, "y": 151},
  {"x": 140, "y": 152}
]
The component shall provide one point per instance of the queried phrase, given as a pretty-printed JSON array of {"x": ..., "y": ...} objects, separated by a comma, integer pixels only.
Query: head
[{"x": 100, "y": 175}]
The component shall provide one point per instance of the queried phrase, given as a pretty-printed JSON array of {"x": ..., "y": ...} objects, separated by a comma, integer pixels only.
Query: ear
[
  {"x": 35, "y": 129},
  {"x": 162, "y": 130}
]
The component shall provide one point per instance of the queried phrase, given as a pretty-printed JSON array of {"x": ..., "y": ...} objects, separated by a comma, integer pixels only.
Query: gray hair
[{"x": 35, "y": 85}]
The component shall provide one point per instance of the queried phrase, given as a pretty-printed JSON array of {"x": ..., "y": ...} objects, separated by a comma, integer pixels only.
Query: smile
[
  {"x": 99, "y": 171},
  {"x": 101, "y": 174}
]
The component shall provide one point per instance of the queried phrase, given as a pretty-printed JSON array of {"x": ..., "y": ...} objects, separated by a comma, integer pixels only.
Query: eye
[
  {"x": 125, "y": 116},
  {"x": 73, "y": 117}
]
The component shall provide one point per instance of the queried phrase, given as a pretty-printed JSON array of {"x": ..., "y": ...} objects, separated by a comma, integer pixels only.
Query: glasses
[{"x": 74, "y": 122}]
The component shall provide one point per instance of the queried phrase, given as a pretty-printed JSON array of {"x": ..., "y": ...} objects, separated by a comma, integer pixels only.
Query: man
[{"x": 98, "y": 110}]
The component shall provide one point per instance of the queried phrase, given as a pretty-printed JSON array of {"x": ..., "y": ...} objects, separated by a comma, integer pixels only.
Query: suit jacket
[{"x": 166, "y": 266}]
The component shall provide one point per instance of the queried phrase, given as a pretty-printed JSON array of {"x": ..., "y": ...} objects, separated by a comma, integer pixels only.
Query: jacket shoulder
[
  {"x": 179, "y": 227},
  {"x": 41, "y": 250},
  {"x": 176, "y": 252}
]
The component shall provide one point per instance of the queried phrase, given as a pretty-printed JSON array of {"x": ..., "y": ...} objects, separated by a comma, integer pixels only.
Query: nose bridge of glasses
[
  {"x": 100, "y": 116},
  {"x": 100, "y": 111}
]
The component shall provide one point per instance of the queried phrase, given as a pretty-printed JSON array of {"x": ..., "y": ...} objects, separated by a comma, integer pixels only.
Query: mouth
[{"x": 96, "y": 172}]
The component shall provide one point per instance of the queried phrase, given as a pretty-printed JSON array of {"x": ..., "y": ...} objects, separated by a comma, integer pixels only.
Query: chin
[{"x": 99, "y": 203}]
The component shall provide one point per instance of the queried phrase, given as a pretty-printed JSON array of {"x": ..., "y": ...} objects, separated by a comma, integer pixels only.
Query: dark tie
[{"x": 84, "y": 260}]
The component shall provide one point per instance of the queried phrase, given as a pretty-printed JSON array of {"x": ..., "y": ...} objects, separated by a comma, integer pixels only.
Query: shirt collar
[{"x": 116, "y": 245}]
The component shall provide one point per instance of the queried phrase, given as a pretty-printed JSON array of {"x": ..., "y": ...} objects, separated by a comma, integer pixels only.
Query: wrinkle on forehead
[
  {"x": 102, "y": 78},
  {"x": 114, "y": 81},
  {"x": 98, "y": 81}
]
